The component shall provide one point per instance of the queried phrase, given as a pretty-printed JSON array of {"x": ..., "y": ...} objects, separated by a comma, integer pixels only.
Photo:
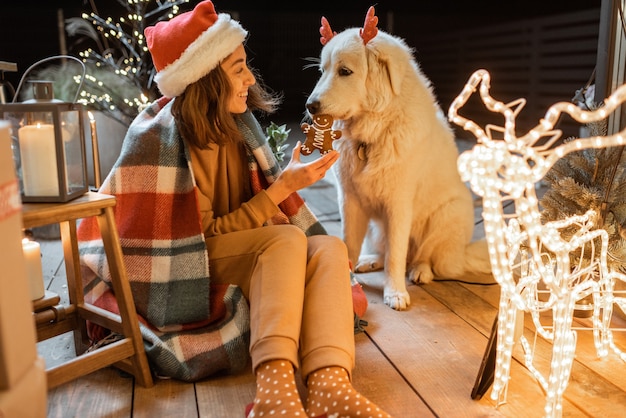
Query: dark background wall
[{"x": 283, "y": 37}]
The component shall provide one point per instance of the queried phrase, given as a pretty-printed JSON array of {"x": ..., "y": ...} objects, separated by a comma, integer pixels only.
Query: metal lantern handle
[{"x": 80, "y": 85}]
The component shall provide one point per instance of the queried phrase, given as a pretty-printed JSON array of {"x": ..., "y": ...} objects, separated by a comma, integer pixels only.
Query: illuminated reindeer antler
[
  {"x": 326, "y": 32},
  {"x": 525, "y": 144},
  {"x": 509, "y": 111},
  {"x": 369, "y": 29}
]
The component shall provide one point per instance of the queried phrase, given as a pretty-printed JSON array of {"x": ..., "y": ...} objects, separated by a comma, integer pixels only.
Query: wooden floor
[{"x": 422, "y": 362}]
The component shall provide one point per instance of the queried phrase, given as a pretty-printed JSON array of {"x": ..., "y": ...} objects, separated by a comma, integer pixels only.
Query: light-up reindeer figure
[{"x": 530, "y": 259}]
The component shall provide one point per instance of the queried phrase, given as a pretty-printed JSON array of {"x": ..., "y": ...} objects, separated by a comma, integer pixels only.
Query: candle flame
[{"x": 91, "y": 118}]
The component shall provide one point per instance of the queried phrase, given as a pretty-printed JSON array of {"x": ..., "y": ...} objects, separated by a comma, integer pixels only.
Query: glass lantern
[{"x": 48, "y": 146}]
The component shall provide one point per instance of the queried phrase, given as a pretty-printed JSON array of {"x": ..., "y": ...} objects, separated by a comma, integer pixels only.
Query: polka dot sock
[
  {"x": 276, "y": 392},
  {"x": 331, "y": 393}
]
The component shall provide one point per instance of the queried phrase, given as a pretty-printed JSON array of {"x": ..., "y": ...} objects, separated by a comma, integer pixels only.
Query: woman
[{"x": 258, "y": 235}]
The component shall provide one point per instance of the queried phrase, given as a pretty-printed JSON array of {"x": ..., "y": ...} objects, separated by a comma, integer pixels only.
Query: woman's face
[{"x": 240, "y": 78}]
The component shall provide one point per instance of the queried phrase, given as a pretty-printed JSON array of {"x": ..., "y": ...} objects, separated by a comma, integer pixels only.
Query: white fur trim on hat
[{"x": 201, "y": 56}]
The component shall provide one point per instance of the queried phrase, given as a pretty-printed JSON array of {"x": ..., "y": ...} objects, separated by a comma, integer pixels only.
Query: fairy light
[
  {"x": 124, "y": 53},
  {"x": 531, "y": 261}
]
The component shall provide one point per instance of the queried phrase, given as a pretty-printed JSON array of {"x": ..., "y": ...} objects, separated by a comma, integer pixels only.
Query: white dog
[{"x": 398, "y": 163}]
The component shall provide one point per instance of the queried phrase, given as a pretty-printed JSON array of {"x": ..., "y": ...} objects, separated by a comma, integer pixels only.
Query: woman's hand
[{"x": 298, "y": 175}]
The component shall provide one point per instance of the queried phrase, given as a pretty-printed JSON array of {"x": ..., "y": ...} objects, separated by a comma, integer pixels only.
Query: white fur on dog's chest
[{"x": 361, "y": 176}]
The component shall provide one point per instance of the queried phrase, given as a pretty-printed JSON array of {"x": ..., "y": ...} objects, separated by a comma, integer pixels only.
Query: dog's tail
[{"x": 477, "y": 263}]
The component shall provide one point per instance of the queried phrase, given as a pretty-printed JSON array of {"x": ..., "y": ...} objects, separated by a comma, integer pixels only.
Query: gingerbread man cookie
[{"x": 319, "y": 135}]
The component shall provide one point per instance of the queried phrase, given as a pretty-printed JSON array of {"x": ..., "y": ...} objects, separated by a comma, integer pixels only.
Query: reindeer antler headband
[{"x": 367, "y": 32}]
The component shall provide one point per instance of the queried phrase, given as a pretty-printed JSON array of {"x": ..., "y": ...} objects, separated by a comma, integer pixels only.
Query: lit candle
[
  {"x": 39, "y": 162},
  {"x": 95, "y": 150},
  {"x": 34, "y": 270}
]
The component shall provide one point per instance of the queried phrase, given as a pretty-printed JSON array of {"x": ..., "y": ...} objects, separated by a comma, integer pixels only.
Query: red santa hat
[{"x": 187, "y": 47}]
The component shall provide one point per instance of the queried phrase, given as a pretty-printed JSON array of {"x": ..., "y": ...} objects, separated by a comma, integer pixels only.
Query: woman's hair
[{"x": 201, "y": 111}]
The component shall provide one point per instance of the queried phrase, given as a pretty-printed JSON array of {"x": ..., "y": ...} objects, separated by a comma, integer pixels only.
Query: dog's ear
[
  {"x": 396, "y": 69},
  {"x": 393, "y": 57}
]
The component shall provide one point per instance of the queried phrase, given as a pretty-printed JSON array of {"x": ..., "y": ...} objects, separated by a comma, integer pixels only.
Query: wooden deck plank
[
  {"x": 59, "y": 349},
  {"x": 104, "y": 393},
  {"x": 584, "y": 383},
  {"x": 52, "y": 254},
  {"x": 602, "y": 368},
  {"x": 321, "y": 198},
  {"x": 225, "y": 396},
  {"x": 456, "y": 347},
  {"x": 383, "y": 383},
  {"x": 436, "y": 351},
  {"x": 167, "y": 398}
]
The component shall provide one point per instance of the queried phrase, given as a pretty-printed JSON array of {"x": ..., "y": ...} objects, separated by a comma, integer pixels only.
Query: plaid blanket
[{"x": 191, "y": 329}]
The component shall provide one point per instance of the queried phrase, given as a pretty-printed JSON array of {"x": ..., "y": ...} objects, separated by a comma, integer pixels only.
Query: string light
[
  {"x": 122, "y": 52},
  {"x": 537, "y": 268}
]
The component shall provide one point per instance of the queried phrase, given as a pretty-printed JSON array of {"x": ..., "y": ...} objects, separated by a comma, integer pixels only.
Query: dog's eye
[{"x": 343, "y": 71}]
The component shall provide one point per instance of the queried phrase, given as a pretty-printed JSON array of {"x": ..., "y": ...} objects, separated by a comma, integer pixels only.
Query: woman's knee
[
  {"x": 288, "y": 236},
  {"x": 328, "y": 244}
]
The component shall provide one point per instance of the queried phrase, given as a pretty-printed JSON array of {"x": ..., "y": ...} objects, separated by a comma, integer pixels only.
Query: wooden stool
[{"x": 52, "y": 319}]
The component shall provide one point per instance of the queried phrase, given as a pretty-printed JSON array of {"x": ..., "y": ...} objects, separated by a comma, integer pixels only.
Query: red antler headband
[
  {"x": 368, "y": 31},
  {"x": 369, "y": 27},
  {"x": 326, "y": 32}
]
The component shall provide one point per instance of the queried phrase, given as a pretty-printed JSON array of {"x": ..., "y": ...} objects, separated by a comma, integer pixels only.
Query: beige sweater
[{"x": 224, "y": 193}]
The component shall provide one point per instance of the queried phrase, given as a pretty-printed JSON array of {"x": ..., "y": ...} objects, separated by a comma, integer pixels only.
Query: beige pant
[{"x": 299, "y": 294}]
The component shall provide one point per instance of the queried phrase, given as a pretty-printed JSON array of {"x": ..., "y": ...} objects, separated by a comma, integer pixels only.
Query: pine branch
[{"x": 591, "y": 179}]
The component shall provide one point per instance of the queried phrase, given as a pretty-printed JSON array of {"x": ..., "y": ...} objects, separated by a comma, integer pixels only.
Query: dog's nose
[{"x": 313, "y": 106}]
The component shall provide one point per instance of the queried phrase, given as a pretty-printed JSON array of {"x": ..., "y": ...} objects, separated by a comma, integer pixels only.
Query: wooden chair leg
[
  {"x": 125, "y": 301},
  {"x": 74, "y": 281}
]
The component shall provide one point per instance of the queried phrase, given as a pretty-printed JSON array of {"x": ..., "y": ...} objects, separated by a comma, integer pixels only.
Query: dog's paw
[
  {"x": 397, "y": 300},
  {"x": 367, "y": 263},
  {"x": 421, "y": 274}
]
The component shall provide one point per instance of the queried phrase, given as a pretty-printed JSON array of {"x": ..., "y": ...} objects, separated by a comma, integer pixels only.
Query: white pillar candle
[
  {"x": 34, "y": 270},
  {"x": 95, "y": 151},
  {"x": 39, "y": 162}
]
